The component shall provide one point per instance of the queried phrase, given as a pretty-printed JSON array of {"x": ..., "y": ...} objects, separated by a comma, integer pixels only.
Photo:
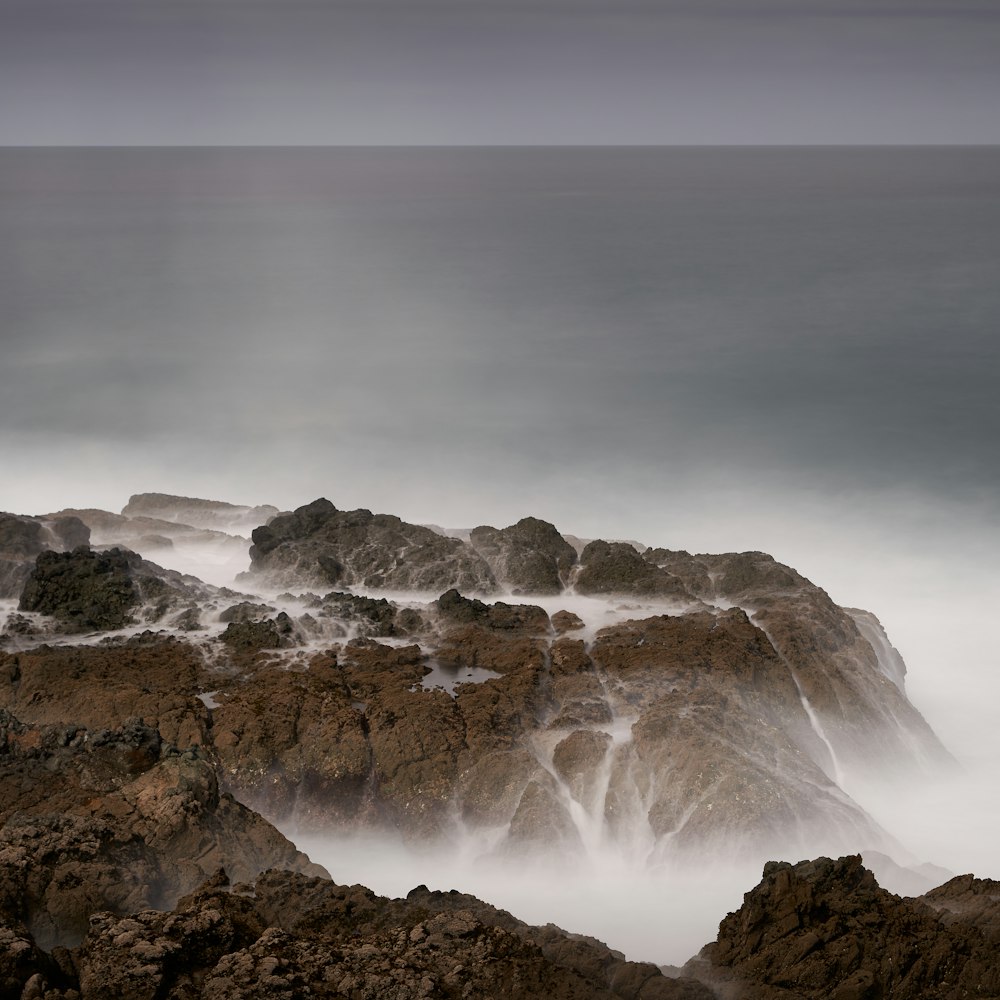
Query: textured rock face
[
  {"x": 88, "y": 591},
  {"x": 529, "y": 557},
  {"x": 318, "y": 545},
  {"x": 289, "y": 936},
  {"x": 825, "y": 929},
  {"x": 84, "y": 590},
  {"x": 114, "y": 820},
  {"x": 22, "y": 539},
  {"x": 617, "y": 568}
]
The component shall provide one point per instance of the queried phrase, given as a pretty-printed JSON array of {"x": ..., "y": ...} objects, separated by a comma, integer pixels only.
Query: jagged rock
[
  {"x": 318, "y": 545},
  {"x": 287, "y": 935},
  {"x": 84, "y": 590},
  {"x": 102, "y": 591},
  {"x": 115, "y": 820},
  {"x": 825, "y": 930},
  {"x": 252, "y": 636},
  {"x": 529, "y": 557},
  {"x": 245, "y": 611},
  {"x": 22, "y": 539},
  {"x": 617, "y": 568}
]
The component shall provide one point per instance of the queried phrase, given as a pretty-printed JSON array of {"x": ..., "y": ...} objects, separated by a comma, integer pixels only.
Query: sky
[{"x": 305, "y": 72}]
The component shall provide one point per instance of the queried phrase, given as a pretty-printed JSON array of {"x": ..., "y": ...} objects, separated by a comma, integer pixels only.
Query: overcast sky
[{"x": 121, "y": 72}]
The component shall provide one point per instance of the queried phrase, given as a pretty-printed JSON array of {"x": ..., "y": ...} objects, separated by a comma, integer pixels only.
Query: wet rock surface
[
  {"x": 318, "y": 545},
  {"x": 824, "y": 929},
  {"x": 23, "y": 539},
  {"x": 714, "y": 708},
  {"x": 529, "y": 557}
]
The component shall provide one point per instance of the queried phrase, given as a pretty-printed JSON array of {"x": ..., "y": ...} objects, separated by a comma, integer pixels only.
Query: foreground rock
[
  {"x": 115, "y": 820},
  {"x": 86, "y": 591},
  {"x": 825, "y": 930},
  {"x": 288, "y": 935}
]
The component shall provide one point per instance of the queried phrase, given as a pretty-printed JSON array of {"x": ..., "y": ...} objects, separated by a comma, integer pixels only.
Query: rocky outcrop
[
  {"x": 213, "y": 515},
  {"x": 842, "y": 663},
  {"x": 115, "y": 820},
  {"x": 825, "y": 930},
  {"x": 289, "y": 935},
  {"x": 86, "y": 591},
  {"x": 617, "y": 568},
  {"x": 318, "y": 545},
  {"x": 22, "y": 539},
  {"x": 529, "y": 557}
]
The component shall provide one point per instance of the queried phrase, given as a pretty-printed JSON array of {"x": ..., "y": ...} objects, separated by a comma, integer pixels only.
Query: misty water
[{"x": 790, "y": 350}]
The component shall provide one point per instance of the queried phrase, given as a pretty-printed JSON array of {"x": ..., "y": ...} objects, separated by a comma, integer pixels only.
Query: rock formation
[
  {"x": 88, "y": 591},
  {"x": 318, "y": 545},
  {"x": 23, "y": 539},
  {"x": 529, "y": 557},
  {"x": 825, "y": 930}
]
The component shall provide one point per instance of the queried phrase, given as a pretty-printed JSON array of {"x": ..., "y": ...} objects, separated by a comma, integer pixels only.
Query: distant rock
[
  {"x": 86, "y": 591},
  {"x": 825, "y": 930},
  {"x": 529, "y": 557},
  {"x": 320, "y": 546},
  {"x": 23, "y": 538},
  {"x": 208, "y": 514}
]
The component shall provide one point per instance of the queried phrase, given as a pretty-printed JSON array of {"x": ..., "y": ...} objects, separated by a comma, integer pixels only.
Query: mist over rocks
[
  {"x": 529, "y": 557},
  {"x": 23, "y": 539},
  {"x": 825, "y": 930},
  {"x": 215, "y": 515},
  {"x": 85, "y": 591},
  {"x": 655, "y": 707}
]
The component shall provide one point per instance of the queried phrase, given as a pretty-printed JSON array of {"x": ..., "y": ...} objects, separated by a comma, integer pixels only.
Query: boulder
[
  {"x": 617, "y": 568},
  {"x": 529, "y": 557}
]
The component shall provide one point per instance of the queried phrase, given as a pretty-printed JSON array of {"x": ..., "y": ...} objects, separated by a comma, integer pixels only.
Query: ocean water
[{"x": 787, "y": 349}]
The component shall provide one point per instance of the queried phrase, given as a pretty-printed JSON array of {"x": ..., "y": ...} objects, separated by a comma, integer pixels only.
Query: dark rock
[
  {"x": 529, "y": 557},
  {"x": 22, "y": 539},
  {"x": 252, "y": 636},
  {"x": 318, "y": 545},
  {"x": 84, "y": 590}
]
